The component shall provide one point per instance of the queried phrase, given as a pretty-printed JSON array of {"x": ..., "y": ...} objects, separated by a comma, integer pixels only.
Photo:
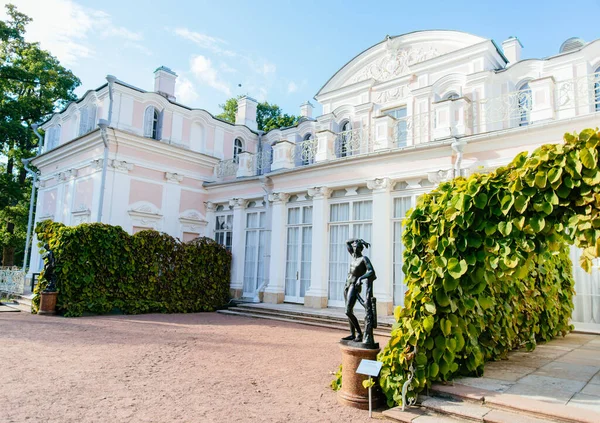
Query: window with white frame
[
  {"x": 298, "y": 253},
  {"x": 597, "y": 89},
  {"x": 153, "y": 123},
  {"x": 238, "y": 147},
  {"x": 305, "y": 156},
  {"x": 351, "y": 219},
  {"x": 223, "y": 229},
  {"x": 255, "y": 252},
  {"x": 524, "y": 104},
  {"x": 401, "y": 130},
  {"x": 52, "y": 137},
  {"x": 401, "y": 207},
  {"x": 451, "y": 96},
  {"x": 344, "y": 139},
  {"x": 87, "y": 119}
]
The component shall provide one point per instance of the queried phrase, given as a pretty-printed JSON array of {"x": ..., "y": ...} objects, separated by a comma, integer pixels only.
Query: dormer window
[
  {"x": 597, "y": 90},
  {"x": 153, "y": 123},
  {"x": 52, "y": 137},
  {"x": 238, "y": 147},
  {"x": 87, "y": 119},
  {"x": 451, "y": 96}
]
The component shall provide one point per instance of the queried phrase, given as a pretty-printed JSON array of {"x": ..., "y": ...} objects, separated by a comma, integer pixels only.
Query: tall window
[
  {"x": 347, "y": 220},
  {"x": 307, "y": 151},
  {"x": 524, "y": 101},
  {"x": 255, "y": 251},
  {"x": 344, "y": 138},
  {"x": 238, "y": 147},
  {"x": 401, "y": 134},
  {"x": 401, "y": 207},
  {"x": 87, "y": 119},
  {"x": 298, "y": 254},
  {"x": 52, "y": 137},
  {"x": 597, "y": 89},
  {"x": 153, "y": 123},
  {"x": 223, "y": 230}
]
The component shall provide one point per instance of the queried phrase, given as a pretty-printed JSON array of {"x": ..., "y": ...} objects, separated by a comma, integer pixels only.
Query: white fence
[{"x": 12, "y": 280}]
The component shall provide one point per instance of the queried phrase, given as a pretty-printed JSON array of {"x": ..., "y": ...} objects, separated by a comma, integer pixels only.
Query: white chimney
[
  {"x": 164, "y": 82},
  {"x": 306, "y": 109},
  {"x": 512, "y": 49},
  {"x": 246, "y": 112}
]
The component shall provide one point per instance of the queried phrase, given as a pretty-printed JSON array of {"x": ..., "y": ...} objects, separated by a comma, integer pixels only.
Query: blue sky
[{"x": 279, "y": 51}]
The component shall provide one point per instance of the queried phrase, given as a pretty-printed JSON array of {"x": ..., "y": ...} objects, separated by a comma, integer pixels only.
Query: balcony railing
[
  {"x": 261, "y": 162},
  {"x": 12, "y": 280},
  {"x": 306, "y": 152},
  {"x": 353, "y": 142},
  {"x": 226, "y": 168}
]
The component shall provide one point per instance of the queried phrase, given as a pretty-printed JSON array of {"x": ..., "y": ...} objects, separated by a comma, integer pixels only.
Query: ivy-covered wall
[
  {"x": 101, "y": 268},
  {"x": 487, "y": 266}
]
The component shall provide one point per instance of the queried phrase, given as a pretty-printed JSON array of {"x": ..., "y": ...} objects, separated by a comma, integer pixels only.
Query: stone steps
[
  {"x": 464, "y": 403},
  {"x": 329, "y": 322},
  {"x": 20, "y": 303}
]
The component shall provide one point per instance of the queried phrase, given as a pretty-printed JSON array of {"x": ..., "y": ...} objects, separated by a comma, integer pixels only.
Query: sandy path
[{"x": 201, "y": 367}]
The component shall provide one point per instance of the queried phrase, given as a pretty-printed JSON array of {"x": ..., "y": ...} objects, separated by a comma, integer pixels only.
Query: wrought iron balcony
[{"x": 226, "y": 168}]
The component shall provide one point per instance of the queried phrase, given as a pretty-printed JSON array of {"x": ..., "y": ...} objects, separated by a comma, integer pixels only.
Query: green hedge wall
[
  {"x": 100, "y": 268},
  {"x": 486, "y": 263}
]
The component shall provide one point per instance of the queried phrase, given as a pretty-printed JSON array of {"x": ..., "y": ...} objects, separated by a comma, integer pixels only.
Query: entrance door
[
  {"x": 586, "y": 315},
  {"x": 299, "y": 250},
  {"x": 254, "y": 258}
]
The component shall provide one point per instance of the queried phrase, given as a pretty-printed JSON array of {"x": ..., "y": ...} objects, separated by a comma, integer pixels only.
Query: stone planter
[{"x": 48, "y": 303}]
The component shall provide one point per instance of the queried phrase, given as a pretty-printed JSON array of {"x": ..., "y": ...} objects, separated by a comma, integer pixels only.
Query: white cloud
[
  {"x": 185, "y": 91},
  {"x": 204, "y": 71},
  {"x": 205, "y": 41},
  {"x": 67, "y": 29},
  {"x": 226, "y": 68},
  {"x": 292, "y": 87},
  {"x": 267, "y": 68}
]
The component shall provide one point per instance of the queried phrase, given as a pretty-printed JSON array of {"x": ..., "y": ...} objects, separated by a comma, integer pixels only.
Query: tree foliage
[
  {"x": 487, "y": 265},
  {"x": 268, "y": 116},
  {"x": 100, "y": 268},
  {"x": 33, "y": 85}
]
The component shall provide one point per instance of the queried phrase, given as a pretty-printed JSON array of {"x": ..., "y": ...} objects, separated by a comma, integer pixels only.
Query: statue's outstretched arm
[{"x": 349, "y": 245}]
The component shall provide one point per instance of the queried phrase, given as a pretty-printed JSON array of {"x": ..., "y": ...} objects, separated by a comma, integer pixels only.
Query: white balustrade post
[
  {"x": 384, "y": 133},
  {"x": 542, "y": 99},
  {"x": 460, "y": 111},
  {"x": 325, "y": 146},
  {"x": 382, "y": 245},
  {"x": 283, "y": 155},
  {"x": 275, "y": 291},
  {"x": 316, "y": 296},
  {"x": 238, "y": 239}
]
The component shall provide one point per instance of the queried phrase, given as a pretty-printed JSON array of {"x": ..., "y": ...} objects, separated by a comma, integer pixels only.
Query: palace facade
[{"x": 399, "y": 118}]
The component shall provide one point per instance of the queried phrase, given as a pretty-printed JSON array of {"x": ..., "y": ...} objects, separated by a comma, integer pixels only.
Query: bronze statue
[
  {"x": 49, "y": 268},
  {"x": 361, "y": 270}
]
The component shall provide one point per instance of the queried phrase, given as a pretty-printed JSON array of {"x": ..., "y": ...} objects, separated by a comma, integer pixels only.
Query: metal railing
[
  {"x": 581, "y": 94},
  {"x": 12, "y": 280},
  {"x": 226, "y": 168},
  {"x": 353, "y": 142},
  {"x": 262, "y": 162},
  {"x": 306, "y": 152},
  {"x": 412, "y": 130}
]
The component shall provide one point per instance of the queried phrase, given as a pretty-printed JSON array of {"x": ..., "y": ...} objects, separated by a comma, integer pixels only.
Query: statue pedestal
[
  {"x": 353, "y": 393},
  {"x": 48, "y": 302}
]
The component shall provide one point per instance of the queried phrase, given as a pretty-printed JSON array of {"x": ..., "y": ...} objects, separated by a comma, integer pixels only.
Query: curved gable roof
[{"x": 391, "y": 57}]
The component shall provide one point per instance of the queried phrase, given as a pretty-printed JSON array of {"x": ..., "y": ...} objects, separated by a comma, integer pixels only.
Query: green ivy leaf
[{"x": 457, "y": 268}]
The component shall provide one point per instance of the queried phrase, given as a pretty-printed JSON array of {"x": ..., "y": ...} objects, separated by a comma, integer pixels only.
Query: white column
[
  {"x": 209, "y": 230},
  {"x": 542, "y": 99},
  {"x": 237, "y": 246},
  {"x": 275, "y": 291},
  {"x": 246, "y": 165},
  {"x": 325, "y": 146},
  {"x": 384, "y": 132},
  {"x": 316, "y": 296},
  {"x": 116, "y": 196},
  {"x": 283, "y": 155},
  {"x": 170, "y": 206},
  {"x": 382, "y": 243}
]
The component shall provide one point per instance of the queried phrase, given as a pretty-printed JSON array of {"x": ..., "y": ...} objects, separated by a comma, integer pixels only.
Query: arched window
[
  {"x": 87, "y": 119},
  {"x": 153, "y": 123},
  {"x": 307, "y": 150},
  {"x": 238, "y": 147},
  {"x": 344, "y": 139},
  {"x": 597, "y": 89},
  {"x": 451, "y": 96},
  {"x": 524, "y": 104}
]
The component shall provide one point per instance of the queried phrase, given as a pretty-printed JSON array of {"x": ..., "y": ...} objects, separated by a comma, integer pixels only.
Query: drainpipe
[
  {"x": 32, "y": 200},
  {"x": 111, "y": 82},
  {"x": 103, "y": 124}
]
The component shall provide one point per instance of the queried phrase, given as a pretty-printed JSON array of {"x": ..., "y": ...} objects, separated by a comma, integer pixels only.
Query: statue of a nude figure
[{"x": 361, "y": 270}]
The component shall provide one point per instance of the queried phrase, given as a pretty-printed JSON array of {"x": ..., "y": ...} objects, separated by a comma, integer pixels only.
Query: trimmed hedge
[
  {"x": 487, "y": 267},
  {"x": 100, "y": 268}
]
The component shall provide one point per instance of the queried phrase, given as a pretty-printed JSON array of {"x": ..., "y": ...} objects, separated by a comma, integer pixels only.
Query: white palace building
[{"x": 400, "y": 117}]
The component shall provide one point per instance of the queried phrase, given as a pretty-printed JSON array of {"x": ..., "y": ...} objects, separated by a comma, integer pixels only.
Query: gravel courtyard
[{"x": 201, "y": 367}]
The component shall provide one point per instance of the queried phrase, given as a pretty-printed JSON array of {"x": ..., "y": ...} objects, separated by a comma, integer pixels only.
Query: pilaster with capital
[
  {"x": 325, "y": 146},
  {"x": 237, "y": 244},
  {"x": 275, "y": 291},
  {"x": 382, "y": 242},
  {"x": 210, "y": 208},
  {"x": 316, "y": 296}
]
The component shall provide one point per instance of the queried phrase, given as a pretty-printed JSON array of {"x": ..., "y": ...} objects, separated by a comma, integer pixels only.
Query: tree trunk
[{"x": 8, "y": 252}]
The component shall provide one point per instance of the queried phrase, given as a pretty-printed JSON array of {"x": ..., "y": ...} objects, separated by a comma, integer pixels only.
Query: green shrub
[
  {"x": 100, "y": 269},
  {"x": 486, "y": 263}
]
